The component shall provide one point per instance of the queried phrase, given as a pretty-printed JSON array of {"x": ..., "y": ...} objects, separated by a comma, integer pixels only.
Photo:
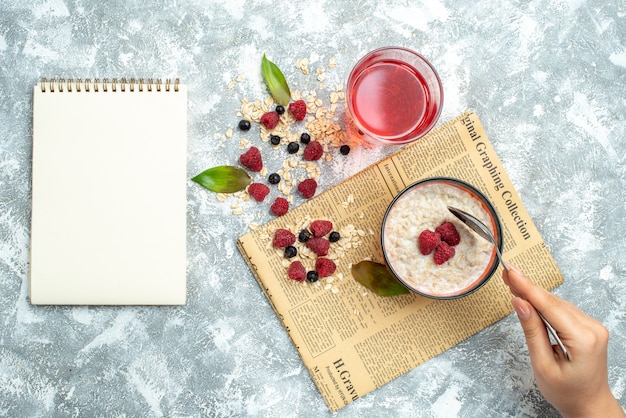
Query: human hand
[{"x": 577, "y": 388}]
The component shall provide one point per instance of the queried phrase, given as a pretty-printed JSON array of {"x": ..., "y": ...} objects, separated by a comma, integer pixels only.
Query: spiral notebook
[{"x": 108, "y": 222}]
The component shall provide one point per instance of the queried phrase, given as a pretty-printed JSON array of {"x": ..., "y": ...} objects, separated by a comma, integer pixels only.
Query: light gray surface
[{"x": 547, "y": 79}]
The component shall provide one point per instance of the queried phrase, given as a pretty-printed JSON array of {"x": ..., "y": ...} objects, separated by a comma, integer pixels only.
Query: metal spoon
[{"x": 482, "y": 230}]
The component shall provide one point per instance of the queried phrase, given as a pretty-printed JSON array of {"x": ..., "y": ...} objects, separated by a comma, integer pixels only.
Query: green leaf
[
  {"x": 377, "y": 278},
  {"x": 223, "y": 179},
  {"x": 276, "y": 82}
]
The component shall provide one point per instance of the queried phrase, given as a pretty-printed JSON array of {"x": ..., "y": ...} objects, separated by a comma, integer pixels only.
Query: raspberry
[
  {"x": 307, "y": 188},
  {"x": 318, "y": 245},
  {"x": 320, "y": 228},
  {"x": 325, "y": 266},
  {"x": 443, "y": 253},
  {"x": 270, "y": 120},
  {"x": 427, "y": 241},
  {"x": 298, "y": 109},
  {"x": 313, "y": 151},
  {"x": 296, "y": 271},
  {"x": 283, "y": 238},
  {"x": 448, "y": 233},
  {"x": 258, "y": 191},
  {"x": 280, "y": 206},
  {"x": 252, "y": 159}
]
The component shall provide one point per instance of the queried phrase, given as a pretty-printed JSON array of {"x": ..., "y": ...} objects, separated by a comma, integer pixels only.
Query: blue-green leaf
[
  {"x": 223, "y": 179},
  {"x": 276, "y": 83}
]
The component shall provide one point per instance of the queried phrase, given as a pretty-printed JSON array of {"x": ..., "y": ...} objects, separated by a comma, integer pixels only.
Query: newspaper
[{"x": 352, "y": 340}]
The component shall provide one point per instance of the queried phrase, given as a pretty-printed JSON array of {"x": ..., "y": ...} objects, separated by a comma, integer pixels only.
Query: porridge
[{"x": 424, "y": 207}]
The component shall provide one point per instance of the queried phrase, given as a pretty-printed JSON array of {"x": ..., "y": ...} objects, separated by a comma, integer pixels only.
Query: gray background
[{"x": 545, "y": 77}]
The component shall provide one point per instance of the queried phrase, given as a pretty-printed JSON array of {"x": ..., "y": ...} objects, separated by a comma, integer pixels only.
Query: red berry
[
  {"x": 258, "y": 191},
  {"x": 318, "y": 245},
  {"x": 283, "y": 238},
  {"x": 307, "y": 188},
  {"x": 427, "y": 241},
  {"x": 298, "y": 109},
  {"x": 443, "y": 253},
  {"x": 448, "y": 233},
  {"x": 325, "y": 266},
  {"x": 252, "y": 159},
  {"x": 296, "y": 271},
  {"x": 280, "y": 206},
  {"x": 313, "y": 151},
  {"x": 320, "y": 228},
  {"x": 270, "y": 119}
]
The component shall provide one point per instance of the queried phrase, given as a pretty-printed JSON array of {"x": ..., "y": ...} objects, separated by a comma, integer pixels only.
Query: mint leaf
[
  {"x": 377, "y": 278},
  {"x": 276, "y": 83},
  {"x": 223, "y": 179}
]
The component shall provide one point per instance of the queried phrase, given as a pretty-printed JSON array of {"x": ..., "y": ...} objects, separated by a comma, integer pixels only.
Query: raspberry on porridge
[{"x": 423, "y": 206}]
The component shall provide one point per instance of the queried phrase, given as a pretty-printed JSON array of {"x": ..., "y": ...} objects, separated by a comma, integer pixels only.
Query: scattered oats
[
  {"x": 239, "y": 78},
  {"x": 371, "y": 232},
  {"x": 335, "y": 290},
  {"x": 253, "y": 226},
  {"x": 330, "y": 279},
  {"x": 340, "y": 276},
  {"x": 350, "y": 198},
  {"x": 222, "y": 197},
  {"x": 356, "y": 313},
  {"x": 237, "y": 211},
  {"x": 334, "y": 97},
  {"x": 329, "y": 157},
  {"x": 243, "y": 143},
  {"x": 344, "y": 205},
  {"x": 321, "y": 77},
  {"x": 332, "y": 63},
  {"x": 328, "y": 286},
  {"x": 231, "y": 85},
  {"x": 285, "y": 263}
]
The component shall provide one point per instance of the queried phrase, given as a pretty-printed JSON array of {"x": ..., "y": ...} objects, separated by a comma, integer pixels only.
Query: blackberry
[
  {"x": 312, "y": 276},
  {"x": 274, "y": 178},
  {"x": 344, "y": 149},
  {"x": 304, "y": 235},
  {"x": 244, "y": 125},
  {"x": 290, "y": 251},
  {"x": 305, "y": 138},
  {"x": 280, "y": 109},
  {"x": 334, "y": 236},
  {"x": 274, "y": 139},
  {"x": 293, "y": 147}
]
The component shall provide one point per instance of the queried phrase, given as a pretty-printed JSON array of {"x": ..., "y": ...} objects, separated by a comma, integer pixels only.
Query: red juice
[
  {"x": 390, "y": 99},
  {"x": 394, "y": 96}
]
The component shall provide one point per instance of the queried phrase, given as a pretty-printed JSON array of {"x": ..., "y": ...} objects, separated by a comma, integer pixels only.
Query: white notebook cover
[{"x": 108, "y": 223}]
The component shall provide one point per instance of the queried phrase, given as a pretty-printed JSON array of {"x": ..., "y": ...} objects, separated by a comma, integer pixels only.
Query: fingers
[
  {"x": 539, "y": 346},
  {"x": 557, "y": 311}
]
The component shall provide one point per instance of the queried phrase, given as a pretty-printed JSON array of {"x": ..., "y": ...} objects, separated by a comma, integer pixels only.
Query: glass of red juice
[{"x": 394, "y": 96}]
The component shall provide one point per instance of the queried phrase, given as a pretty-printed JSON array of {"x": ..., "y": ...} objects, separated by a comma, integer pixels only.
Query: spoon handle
[{"x": 551, "y": 330}]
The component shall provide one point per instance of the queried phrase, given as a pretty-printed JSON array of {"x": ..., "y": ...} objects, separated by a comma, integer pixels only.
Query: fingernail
[{"x": 521, "y": 308}]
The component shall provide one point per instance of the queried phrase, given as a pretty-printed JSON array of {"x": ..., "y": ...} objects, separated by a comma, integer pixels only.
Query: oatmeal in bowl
[{"x": 428, "y": 249}]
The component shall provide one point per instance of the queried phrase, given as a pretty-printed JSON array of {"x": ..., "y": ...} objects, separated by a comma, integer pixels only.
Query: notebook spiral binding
[{"x": 79, "y": 85}]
